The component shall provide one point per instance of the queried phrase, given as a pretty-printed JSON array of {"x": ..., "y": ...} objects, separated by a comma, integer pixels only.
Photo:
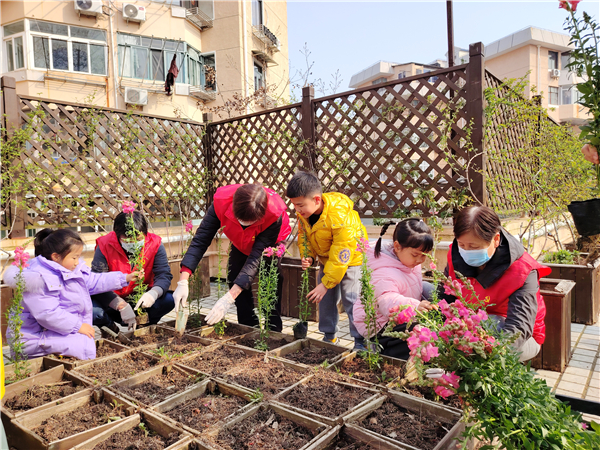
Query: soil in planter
[
  {"x": 427, "y": 393},
  {"x": 269, "y": 377},
  {"x": 272, "y": 343},
  {"x": 229, "y": 333},
  {"x": 40, "y": 395},
  {"x": 157, "y": 388},
  {"x": 150, "y": 338},
  {"x": 116, "y": 369},
  {"x": 359, "y": 369},
  {"x": 322, "y": 396},
  {"x": 217, "y": 361},
  {"x": 64, "y": 425},
  {"x": 106, "y": 350},
  {"x": 137, "y": 438},
  {"x": 204, "y": 411},
  {"x": 266, "y": 430},
  {"x": 419, "y": 429},
  {"x": 177, "y": 347},
  {"x": 312, "y": 356},
  {"x": 345, "y": 442}
]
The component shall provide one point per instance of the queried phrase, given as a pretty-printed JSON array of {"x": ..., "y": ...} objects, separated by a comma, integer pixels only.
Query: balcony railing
[
  {"x": 267, "y": 36},
  {"x": 198, "y": 18},
  {"x": 206, "y": 93}
]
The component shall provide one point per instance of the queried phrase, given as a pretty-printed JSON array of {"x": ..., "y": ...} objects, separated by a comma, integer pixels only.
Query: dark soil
[
  {"x": 40, "y": 395},
  {"x": 206, "y": 410},
  {"x": 427, "y": 393},
  {"x": 345, "y": 442},
  {"x": 157, "y": 388},
  {"x": 229, "y": 333},
  {"x": 358, "y": 368},
  {"x": 64, "y": 425},
  {"x": 150, "y": 338},
  {"x": 105, "y": 350},
  {"x": 419, "y": 429},
  {"x": 217, "y": 361},
  {"x": 322, "y": 396},
  {"x": 136, "y": 439},
  {"x": 112, "y": 370},
  {"x": 313, "y": 356},
  {"x": 265, "y": 430},
  {"x": 272, "y": 343},
  {"x": 64, "y": 358},
  {"x": 177, "y": 347},
  {"x": 270, "y": 377}
]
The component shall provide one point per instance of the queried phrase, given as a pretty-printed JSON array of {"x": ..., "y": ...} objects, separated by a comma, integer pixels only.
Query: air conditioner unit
[
  {"x": 555, "y": 73},
  {"x": 88, "y": 7},
  {"x": 134, "y": 13},
  {"x": 135, "y": 96}
]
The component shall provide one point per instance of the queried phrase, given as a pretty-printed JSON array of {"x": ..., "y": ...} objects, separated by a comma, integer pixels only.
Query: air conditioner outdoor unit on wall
[
  {"x": 135, "y": 96},
  {"x": 134, "y": 13},
  {"x": 555, "y": 73},
  {"x": 88, "y": 7}
]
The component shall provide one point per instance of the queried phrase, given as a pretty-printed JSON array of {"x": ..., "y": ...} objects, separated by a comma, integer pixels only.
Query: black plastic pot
[
  {"x": 586, "y": 216},
  {"x": 300, "y": 330}
]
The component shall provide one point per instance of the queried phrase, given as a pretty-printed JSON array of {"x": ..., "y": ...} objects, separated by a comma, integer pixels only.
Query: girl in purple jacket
[{"x": 57, "y": 308}]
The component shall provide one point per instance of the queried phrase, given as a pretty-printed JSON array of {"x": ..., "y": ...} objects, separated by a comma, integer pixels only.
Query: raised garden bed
[
  {"x": 67, "y": 424},
  {"x": 272, "y": 427},
  {"x": 146, "y": 337},
  {"x": 34, "y": 366},
  {"x": 203, "y": 408},
  {"x": 356, "y": 367},
  {"x": 311, "y": 353},
  {"x": 178, "y": 347},
  {"x": 232, "y": 330},
  {"x": 104, "y": 347},
  {"x": 274, "y": 341},
  {"x": 354, "y": 438},
  {"x": 157, "y": 384},
  {"x": 116, "y": 367},
  {"x": 271, "y": 377},
  {"x": 407, "y": 421},
  {"x": 425, "y": 393},
  {"x": 216, "y": 361},
  {"x": 143, "y": 431},
  {"x": 324, "y": 399},
  {"x": 194, "y": 323}
]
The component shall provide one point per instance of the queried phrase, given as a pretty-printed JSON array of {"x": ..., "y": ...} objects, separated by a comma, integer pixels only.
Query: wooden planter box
[
  {"x": 413, "y": 404},
  {"x": 556, "y": 350},
  {"x": 54, "y": 360},
  {"x": 255, "y": 335},
  {"x": 151, "y": 349},
  {"x": 164, "y": 332},
  {"x": 295, "y": 346},
  {"x": 26, "y": 439},
  {"x": 585, "y": 297},
  {"x": 154, "y": 422},
  {"x": 242, "y": 329},
  {"x": 248, "y": 351},
  {"x": 188, "y": 329},
  {"x": 35, "y": 366},
  {"x": 291, "y": 269},
  {"x": 199, "y": 290},
  {"x": 386, "y": 359},
  {"x": 361, "y": 437},
  {"x": 198, "y": 391}
]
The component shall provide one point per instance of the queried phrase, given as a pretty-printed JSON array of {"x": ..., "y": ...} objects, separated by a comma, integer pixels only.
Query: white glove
[
  {"x": 128, "y": 317},
  {"x": 148, "y": 299},
  {"x": 434, "y": 373},
  {"x": 218, "y": 311},
  {"x": 181, "y": 294}
]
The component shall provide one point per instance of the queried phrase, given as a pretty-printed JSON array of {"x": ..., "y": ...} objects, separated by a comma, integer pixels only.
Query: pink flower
[
  {"x": 432, "y": 266},
  {"x": 363, "y": 245},
  {"x": 428, "y": 352},
  {"x": 453, "y": 288},
  {"x": 451, "y": 379},
  {"x": 413, "y": 342},
  {"x": 443, "y": 391},
  {"x": 21, "y": 257},
  {"x": 426, "y": 335},
  {"x": 565, "y": 4},
  {"x": 405, "y": 315},
  {"x": 128, "y": 207},
  {"x": 574, "y": 4},
  {"x": 584, "y": 426},
  {"x": 189, "y": 227},
  {"x": 269, "y": 251},
  {"x": 280, "y": 250},
  {"x": 394, "y": 309}
]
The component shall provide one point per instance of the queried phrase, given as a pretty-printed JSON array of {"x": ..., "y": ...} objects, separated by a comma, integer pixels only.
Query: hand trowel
[{"x": 181, "y": 321}]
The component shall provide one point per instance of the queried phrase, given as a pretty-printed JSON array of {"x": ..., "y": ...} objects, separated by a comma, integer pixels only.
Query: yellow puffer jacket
[{"x": 334, "y": 237}]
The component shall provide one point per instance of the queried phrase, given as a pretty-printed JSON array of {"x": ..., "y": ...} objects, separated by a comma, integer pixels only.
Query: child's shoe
[
  {"x": 359, "y": 345},
  {"x": 331, "y": 339}
]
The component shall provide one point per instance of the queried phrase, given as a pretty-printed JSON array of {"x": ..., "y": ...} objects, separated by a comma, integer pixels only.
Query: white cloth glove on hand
[
  {"x": 128, "y": 317},
  {"x": 218, "y": 311},
  {"x": 181, "y": 294},
  {"x": 434, "y": 373},
  {"x": 147, "y": 300}
]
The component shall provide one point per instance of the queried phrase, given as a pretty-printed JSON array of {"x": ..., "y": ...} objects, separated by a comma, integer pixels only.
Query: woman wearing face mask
[
  {"x": 500, "y": 269},
  {"x": 254, "y": 218},
  {"x": 112, "y": 253}
]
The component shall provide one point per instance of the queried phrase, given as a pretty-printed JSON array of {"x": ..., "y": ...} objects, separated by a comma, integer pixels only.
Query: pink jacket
[{"x": 394, "y": 283}]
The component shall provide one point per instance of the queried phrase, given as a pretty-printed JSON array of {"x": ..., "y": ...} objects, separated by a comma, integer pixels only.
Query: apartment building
[
  {"x": 121, "y": 54},
  {"x": 384, "y": 71}
]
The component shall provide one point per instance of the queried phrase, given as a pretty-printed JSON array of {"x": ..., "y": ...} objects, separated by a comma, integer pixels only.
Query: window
[
  {"x": 569, "y": 95},
  {"x": 419, "y": 71},
  {"x": 565, "y": 59},
  {"x": 13, "y": 46},
  {"x": 552, "y": 60},
  {"x": 402, "y": 75},
  {"x": 257, "y": 13},
  {"x": 553, "y": 96},
  {"x": 150, "y": 58},
  {"x": 61, "y": 47},
  {"x": 259, "y": 78},
  {"x": 379, "y": 80},
  {"x": 202, "y": 70}
]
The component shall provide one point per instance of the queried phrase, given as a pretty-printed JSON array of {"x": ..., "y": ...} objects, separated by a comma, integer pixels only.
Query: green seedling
[
  {"x": 220, "y": 328},
  {"x": 256, "y": 396},
  {"x": 142, "y": 426}
]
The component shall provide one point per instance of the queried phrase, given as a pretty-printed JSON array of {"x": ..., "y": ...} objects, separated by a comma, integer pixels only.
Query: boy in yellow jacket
[{"x": 332, "y": 229}]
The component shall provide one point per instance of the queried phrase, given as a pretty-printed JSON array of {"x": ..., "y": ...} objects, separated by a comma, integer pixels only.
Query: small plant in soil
[
  {"x": 563, "y": 257},
  {"x": 112, "y": 370},
  {"x": 40, "y": 395},
  {"x": 219, "y": 328},
  {"x": 301, "y": 327},
  {"x": 256, "y": 396},
  {"x": 358, "y": 368}
]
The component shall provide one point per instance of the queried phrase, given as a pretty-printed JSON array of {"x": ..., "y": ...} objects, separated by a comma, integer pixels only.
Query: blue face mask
[
  {"x": 475, "y": 258},
  {"x": 130, "y": 247}
]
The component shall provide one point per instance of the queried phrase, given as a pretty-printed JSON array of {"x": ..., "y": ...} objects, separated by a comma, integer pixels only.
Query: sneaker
[
  {"x": 331, "y": 341},
  {"x": 358, "y": 347}
]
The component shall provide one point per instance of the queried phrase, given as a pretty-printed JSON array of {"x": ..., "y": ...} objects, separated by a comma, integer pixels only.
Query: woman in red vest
[
  {"x": 500, "y": 269},
  {"x": 254, "y": 218},
  {"x": 112, "y": 253}
]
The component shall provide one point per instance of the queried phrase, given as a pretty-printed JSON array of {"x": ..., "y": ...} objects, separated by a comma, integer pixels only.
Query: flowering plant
[
  {"x": 585, "y": 63},
  {"x": 136, "y": 255},
  {"x": 267, "y": 291},
  {"x": 303, "y": 305},
  {"x": 13, "y": 316},
  {"x": 457, "y": 350}
]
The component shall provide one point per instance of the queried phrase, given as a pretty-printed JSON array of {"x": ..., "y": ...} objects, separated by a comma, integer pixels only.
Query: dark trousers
[
  {"x": 245, "y": 301},
  {"x": 394, "y": 347},
  {"x": 105, "y": 316}
]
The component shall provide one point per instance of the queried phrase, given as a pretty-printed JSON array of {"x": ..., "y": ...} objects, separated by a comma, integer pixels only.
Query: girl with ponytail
[{"x": 396, "y": 277}]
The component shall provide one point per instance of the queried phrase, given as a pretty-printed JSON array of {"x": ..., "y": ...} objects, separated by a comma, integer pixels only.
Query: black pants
[
  {"x": 394, "y": 347},
  {"x": 245, "y": 301}
]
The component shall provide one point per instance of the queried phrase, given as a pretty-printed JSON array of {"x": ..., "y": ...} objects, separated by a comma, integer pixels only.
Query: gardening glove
[
  {"x": 181, "y": 294},
  {"x": 128, "y": 317},
  {"x": 218, "y": 311},
  {"x": 148, "y": 299},
  {"x": 434, "y": 373}
]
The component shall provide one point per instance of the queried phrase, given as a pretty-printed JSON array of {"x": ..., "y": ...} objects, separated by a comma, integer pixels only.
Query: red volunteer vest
[
  {"x": 243, "y": 239},
  {"x": 510, "y": 281},
  {"x": 118, "y": 261}
]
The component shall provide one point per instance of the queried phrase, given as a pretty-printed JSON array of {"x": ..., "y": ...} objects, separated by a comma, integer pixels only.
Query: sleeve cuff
[{"x": 186, "y": 270}]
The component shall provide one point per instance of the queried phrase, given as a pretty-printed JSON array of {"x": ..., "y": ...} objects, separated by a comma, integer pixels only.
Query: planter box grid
[
  {"x": 52, "y": 360},
  {"x": 359, "y": 435},
  {"x": 171, "y": 324},
  {"x": 295, "y": 346},
  {"x": 150, "y": 348},
  {"x": 207, "y": 330},
  {"x": 387, "y": 359},
  {"x": 182, "y": 362},
  {"x": 255, "y": 335},
  {"x": 35, "y": 366},
  {"x": 165, "y": 332}
]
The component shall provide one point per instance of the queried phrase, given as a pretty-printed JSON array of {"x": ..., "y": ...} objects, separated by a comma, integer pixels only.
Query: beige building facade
[
  {"x": 119, "y": 54},
  {"x": 385, "y": 71}
]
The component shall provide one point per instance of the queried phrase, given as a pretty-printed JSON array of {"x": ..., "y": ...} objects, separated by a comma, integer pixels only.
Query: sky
[{"x": 349, "y": 36}]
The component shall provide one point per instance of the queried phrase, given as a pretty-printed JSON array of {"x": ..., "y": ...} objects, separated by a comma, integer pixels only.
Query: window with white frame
[
  {"x": 552, "y": 60},
  {"x": 553, "y": 95},
  {"x": 257, "y": 13},
  {"x": 565, "y": 59},
  {"x": 58, "y": 46},
  {"x": 14, "y": 35},
  {"x": 259, "y": 76},
  {"x": 379, "y": 80},
  {"x": 201, "y": 69},
  {"x": 569, "y": 95}
]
